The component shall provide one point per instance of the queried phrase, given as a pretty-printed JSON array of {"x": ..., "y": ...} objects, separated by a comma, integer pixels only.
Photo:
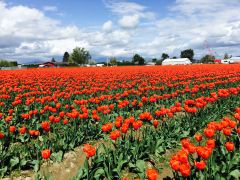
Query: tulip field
[{"x": 131, "y": 122}]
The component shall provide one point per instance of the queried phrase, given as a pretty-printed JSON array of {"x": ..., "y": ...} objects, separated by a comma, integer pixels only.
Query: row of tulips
[
  {"x": 60, "y": 109},
  {"x": 214, "y": 153},
  {"x": 138, "y": 148}
]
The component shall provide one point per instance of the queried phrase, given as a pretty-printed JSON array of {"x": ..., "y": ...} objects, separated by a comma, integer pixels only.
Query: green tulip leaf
[
  {"x": 14, "y": 161},
  {"x": 235, "y": 173}
]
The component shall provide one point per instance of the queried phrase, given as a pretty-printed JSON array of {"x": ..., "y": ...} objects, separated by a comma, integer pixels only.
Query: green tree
[
  {"x": 80, "y": 56},
  {"x": 14, "y": 63},
  {"x": 154, "y": 60},
  {"x": 159, "y": 62},
  {"x": 92, "y": 62},
  {"x": 66, "y": 57},
  {"x": 164, "y": 56},
  {"x": 5, "y": 63},
  {"x": 53, "y": 60},
  {"x": 137, "y": 59},
  {"x": 188, "y": 53},
  {"x": 226, "y": 56},
  {"x": 174, "y": 57},
  {"x": 113, "y": 61},
  {"x": 208, "y": 59}
]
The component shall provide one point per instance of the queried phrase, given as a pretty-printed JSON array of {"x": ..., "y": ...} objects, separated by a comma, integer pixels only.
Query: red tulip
[
  {"x": 185, "y": 170},
  {"x": 175, "y": 165},
  {"x": 155, "y": 123},
  {"x": 198, "y": 137},
  {"x": 238, "y": 130},
  {"x": 89, "y": 150},
  {"x": 210, "y": 143},
  {"x": 152, "y": 174},
  {"x": 65, "y": 121},
  {"x": 46, "y": 154},
  {"x": 124, "y": 128},
  {"x": 22, "y": 130},
  {"x": 229, "y": 146},
  {"x": 115, "y": 134},
  {"x": 185, "y": 142},
  {"x": 232, "y": 124},
  {"x": 209, "y": 132},
  {"x": 191, "y": 148},
  {"x": 227, "y": 131},
  {"x": 46, "y": 126},
  {"x": 183, "y": 157},
  {"x": 200, "y": 165},
  {"x": 1, "y": 135},
  {"x": 12, "y": 129}
]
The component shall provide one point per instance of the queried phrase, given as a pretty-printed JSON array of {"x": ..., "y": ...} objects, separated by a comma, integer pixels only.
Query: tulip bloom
[
  {"x": 227, "y": 131},
  {"x": 209, "y": 132},
  {"x": 198, "y": 137},
  {"x": 232, "y": 124},
  {"x": 65, "y": 121},
  {"x": 155, "y": 123},
  {"x": 185, "y": 170},
  {"x": 46, "y": 126},
  {"x": 115, "y": 134},
  {"x": 22, "y": 130},
  {"x": 46, "y": 154},
  {"x": 152, "y": 174},
  {"x": 124, "y": 128},
  {"x": 175, "y": 165},
  {"x": 229, "y": 146},
  {"x": 210, "y": 143},
  {"x": 1, "y": 135},
  {"x": 12, "y": 129},
  {"x": 89, "y": 150},
  {"x": 238, "y": 130},
  {"x": 200, "y": 165}
]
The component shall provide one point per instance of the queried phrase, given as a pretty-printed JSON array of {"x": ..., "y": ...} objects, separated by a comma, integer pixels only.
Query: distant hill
[{"x": 97, "y": 59}]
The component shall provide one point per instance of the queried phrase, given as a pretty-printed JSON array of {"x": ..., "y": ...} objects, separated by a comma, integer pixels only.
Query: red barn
[
  {"x": 48, "y": 64},
  {"x": 217, "y": 61}
]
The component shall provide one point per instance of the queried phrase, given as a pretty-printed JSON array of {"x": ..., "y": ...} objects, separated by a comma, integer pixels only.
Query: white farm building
[
  {"x": 234, "y": 60},
  {"x": 179, "y": 61}
]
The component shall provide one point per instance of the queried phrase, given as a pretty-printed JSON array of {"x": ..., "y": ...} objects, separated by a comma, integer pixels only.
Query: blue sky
[
  {"x": 86, "y": 13},
  {"x": 41, "y": 29}
]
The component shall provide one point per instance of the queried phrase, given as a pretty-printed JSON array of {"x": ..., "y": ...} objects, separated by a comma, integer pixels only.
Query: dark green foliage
[
  {"x": 208, "y": 59},
  {"x": 165, "y": 56},
  {"x": 66, "y": 57},
  {"x": 188, "y": 53},
  {"x": 80, "y": 56},
  {"x": 137, "y": 59}
]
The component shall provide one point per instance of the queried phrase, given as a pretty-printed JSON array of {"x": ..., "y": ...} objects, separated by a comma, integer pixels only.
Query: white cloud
[
  {"x": 50, "y": 8},
  {"x": 123, "y": 7},
  {"x": 196, "y": 21},
  {"x": 28, "y": 33},
  {"x": 129, "y": 13},
  {"x": 107, "y": 26},
  {"x": 129, "y": 21}
]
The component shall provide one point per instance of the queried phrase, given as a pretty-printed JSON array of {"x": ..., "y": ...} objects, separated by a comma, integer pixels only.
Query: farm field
[{"x": 131, "y": 122}]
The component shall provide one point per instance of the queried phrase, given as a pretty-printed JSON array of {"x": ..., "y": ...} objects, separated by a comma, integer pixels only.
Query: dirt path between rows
[
  {"x": 64, "y": 170},
  {"x": 70, "y": 165}
]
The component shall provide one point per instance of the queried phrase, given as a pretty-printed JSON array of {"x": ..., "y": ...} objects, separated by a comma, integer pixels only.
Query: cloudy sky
[{"x": 41, "y": 29}]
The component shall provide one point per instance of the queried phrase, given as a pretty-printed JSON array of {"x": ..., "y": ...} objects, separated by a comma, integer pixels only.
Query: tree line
[
  {"x": 82, "y": 56},
  {"x": 6, "y": 63},
  {"x": 78, "y": 56}
]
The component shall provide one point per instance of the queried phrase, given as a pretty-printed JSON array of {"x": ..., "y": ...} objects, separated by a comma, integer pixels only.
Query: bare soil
[
  {"x": 64, "y": 170},
  {"x": 73, "y": 160}
]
